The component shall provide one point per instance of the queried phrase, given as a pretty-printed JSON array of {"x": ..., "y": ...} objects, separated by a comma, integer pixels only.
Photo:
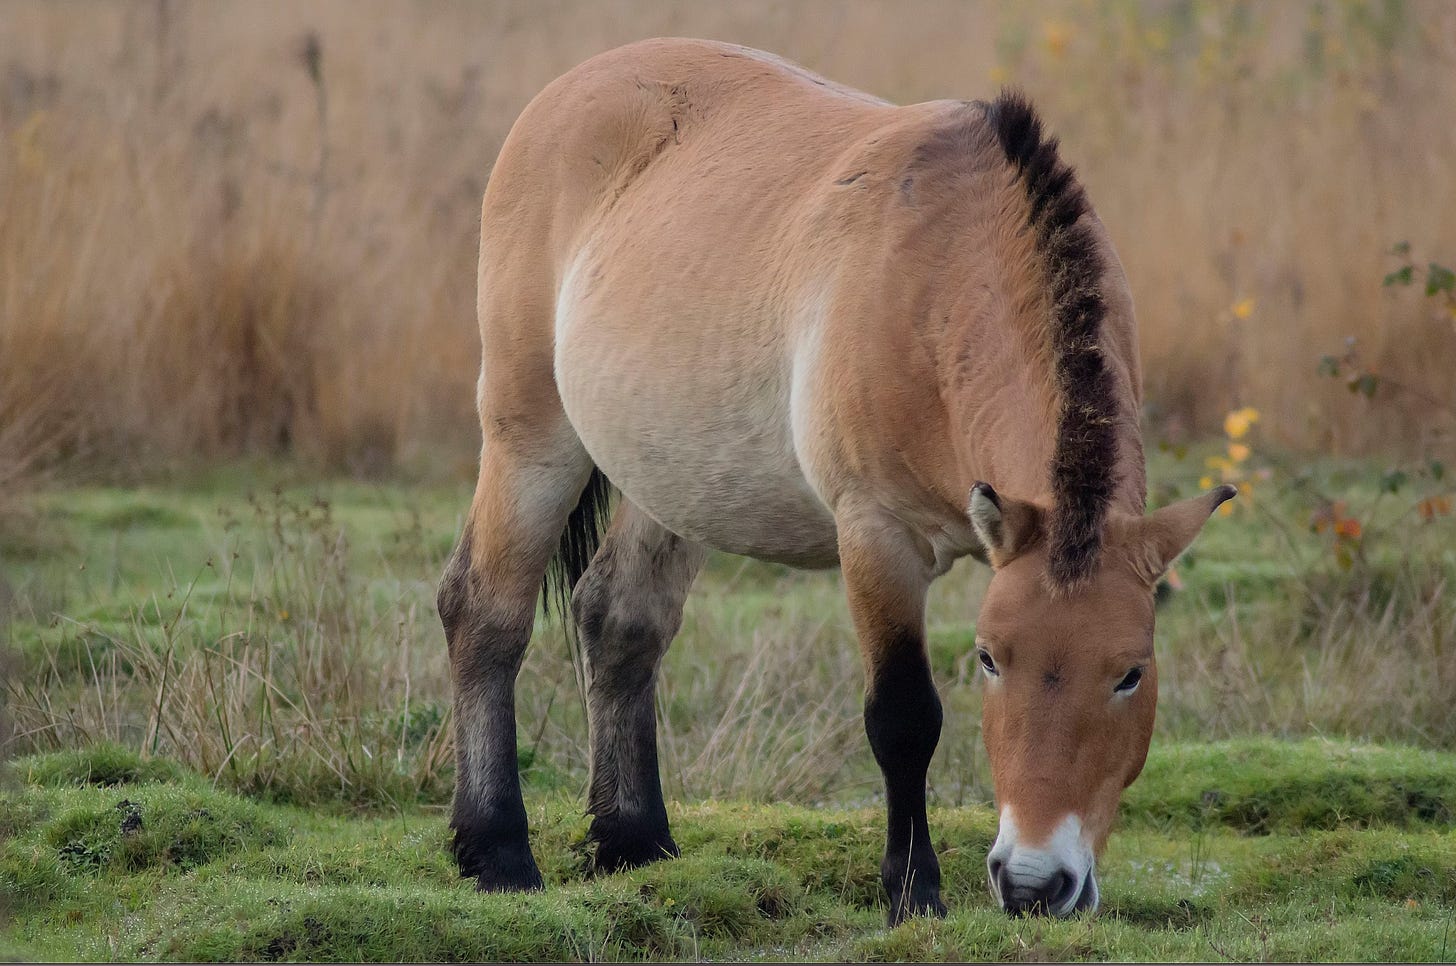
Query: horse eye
[
  {"x": 986, "y": 661},
  {"x": 1130, "y": 681}
]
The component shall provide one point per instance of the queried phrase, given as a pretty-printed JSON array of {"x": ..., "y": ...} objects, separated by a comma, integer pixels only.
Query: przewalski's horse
[{"x": 788, "y": 320}]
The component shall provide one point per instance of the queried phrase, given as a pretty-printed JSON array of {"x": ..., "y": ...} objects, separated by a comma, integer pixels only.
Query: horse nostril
[
  {"x": 1061, "y": 890},
  {"x": 1000, "y": 880}
]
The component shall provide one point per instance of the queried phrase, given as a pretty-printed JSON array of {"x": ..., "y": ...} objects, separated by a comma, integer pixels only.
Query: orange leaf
[{"x": 1435, "y": 506}]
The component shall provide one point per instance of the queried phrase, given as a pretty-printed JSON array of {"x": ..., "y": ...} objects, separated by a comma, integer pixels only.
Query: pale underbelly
[
  {"x": 727, "y": 509},
  {"x": 709, "y": 456},
  {"x": 731, "y": 492}
]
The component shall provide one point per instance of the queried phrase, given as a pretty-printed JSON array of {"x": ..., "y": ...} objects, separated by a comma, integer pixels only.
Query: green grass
[
  {"x": 112, "y": 856},
  {"x": 232, "y": 703}
]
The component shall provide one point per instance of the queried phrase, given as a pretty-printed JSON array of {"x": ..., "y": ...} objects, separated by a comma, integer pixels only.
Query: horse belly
[{"x": 694, "y": 429}]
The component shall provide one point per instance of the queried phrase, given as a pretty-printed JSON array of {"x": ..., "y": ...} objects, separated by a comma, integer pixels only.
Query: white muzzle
[{"x": 1057, "y": 877}]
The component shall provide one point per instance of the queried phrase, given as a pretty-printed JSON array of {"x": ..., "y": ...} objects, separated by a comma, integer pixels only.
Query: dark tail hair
[{"x": 579, "y": 543}]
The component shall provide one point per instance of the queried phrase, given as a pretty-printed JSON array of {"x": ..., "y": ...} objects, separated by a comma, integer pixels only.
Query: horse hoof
[
  {"x": 929, "y": 905},
  {"x": 914, "y": 898},
  {"x": 518, "y": 879},
  {"x": 497, "y": 866},
  {"x": 628, "y": 845}
]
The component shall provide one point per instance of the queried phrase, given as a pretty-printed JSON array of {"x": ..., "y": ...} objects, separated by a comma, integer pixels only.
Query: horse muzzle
[{"x": 1057, "y": 877}]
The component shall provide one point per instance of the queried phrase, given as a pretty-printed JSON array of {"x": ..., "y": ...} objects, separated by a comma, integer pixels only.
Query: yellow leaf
[
  {"x": 1205, "y": 482},
  {"x": 1057, "y": 34},
  {"x": 1238, "y": 452},
  {"x": 1226, "y": 509},
  {"x": 1236, "y": 424},
  {"x": 1243, "y": 308}
]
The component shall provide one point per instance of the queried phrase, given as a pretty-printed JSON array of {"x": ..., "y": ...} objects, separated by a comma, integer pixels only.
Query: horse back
[{"x": 740, "y": 281}]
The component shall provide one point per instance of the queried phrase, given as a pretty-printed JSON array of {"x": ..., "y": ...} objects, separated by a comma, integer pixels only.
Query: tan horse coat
[
  {"x": 761, "y": 313},
  {"x": 789, "y": 320}
]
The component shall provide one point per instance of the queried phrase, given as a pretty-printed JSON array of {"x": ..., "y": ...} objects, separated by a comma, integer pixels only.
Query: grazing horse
[{"x": 789, "y": 320}]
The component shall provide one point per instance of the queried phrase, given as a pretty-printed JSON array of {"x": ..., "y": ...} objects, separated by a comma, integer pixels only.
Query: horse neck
[
  {"x": 996, "y": 377},
  {"x": 1002, "y": 414}
]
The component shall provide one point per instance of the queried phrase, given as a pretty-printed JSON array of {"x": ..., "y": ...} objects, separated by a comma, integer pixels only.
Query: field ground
[
  {"x": 1246, "y": 850},
  {"x": 231, "y": 702}
]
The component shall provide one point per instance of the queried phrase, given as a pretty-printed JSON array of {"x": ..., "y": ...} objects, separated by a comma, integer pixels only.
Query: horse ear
[
  {"x": 1166, "y": 533},
  {"x": 1005, "y": 527}
]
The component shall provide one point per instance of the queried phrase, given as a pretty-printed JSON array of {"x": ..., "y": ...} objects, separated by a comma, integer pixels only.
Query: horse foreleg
[{"x": 887, "y": 572}]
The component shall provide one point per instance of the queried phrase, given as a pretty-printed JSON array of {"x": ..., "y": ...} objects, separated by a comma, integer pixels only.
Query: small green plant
[
  {"x": 1422, "y": 484},
  {"x": 1438, "y": 285},
  {"x": 1355, "y": 554}
]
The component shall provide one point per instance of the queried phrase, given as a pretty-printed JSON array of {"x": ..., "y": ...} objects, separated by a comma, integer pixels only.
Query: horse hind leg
[
  {"x": 487, "y": 604},
  {"x": 629, "y": 605}
]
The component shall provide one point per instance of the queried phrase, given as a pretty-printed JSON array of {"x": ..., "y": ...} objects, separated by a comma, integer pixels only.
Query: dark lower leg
[
  {"x": 629, "y": 818},
  {"x": 628, "y": 606},
  {"x": 902, "y": 720},
  {"x": 490, "y": 840}
]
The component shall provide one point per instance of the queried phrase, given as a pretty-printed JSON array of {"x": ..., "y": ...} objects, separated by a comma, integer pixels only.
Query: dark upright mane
[{"x": 1085, "y": 456}]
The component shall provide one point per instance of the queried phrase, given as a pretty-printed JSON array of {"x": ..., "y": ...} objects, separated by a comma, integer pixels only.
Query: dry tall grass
[
  {"x": 303, "y": 661},
  {"x": 252, "y": 227}
]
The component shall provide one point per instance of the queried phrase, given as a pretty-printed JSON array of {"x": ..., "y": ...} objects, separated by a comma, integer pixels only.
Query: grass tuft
[
  {"x": 211, "y": 875},
  {"x": 1264, "y": 786},
  {"x": 104, "y": 764}
]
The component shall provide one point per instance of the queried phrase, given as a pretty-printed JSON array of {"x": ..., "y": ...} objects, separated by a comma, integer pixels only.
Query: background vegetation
[
  {"x": 237, "y": 356},
  {"x": 252, "y": 227}
]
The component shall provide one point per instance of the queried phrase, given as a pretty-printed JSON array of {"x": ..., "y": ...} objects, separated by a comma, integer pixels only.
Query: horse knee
[
  {"x": 483, "y": 631},
  {"x": 453, "y": 599},
  {"x": 623, "y": 638}
]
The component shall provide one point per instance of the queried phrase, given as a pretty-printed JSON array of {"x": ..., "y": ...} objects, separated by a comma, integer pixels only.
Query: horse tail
[{"x": 579, "y": 543}]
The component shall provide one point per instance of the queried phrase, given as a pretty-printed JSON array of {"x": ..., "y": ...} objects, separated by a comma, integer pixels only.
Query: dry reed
[{"x": 252, "y": 227}]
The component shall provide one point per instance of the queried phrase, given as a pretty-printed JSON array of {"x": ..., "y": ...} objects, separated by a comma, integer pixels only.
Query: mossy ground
[
  {"x": 110, "y": 856},
  {"x": 234, "y": 705}
]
